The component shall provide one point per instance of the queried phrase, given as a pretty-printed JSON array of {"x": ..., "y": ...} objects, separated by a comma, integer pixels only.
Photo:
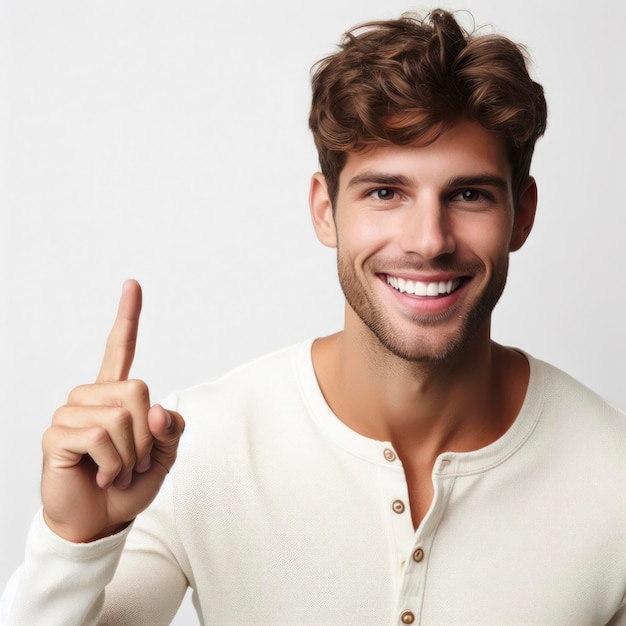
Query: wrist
[{"x": 74, "y": 535}]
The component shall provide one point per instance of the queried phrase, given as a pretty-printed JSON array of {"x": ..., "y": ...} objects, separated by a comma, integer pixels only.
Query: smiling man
[
  {"x": 423, "y": 235},
  {"x": 405, "y": 470}
]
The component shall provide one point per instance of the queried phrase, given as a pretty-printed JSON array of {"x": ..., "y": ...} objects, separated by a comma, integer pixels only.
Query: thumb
[{"x": 166, "y": 428}]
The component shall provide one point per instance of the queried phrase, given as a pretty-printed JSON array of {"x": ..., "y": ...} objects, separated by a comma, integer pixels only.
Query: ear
[
  {"x": 524, "y": 215},
  {"x": 322, "y": 211}
]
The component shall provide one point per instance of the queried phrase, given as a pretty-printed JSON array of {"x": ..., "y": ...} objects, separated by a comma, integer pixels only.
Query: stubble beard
[{"x": 417, "y": 349}]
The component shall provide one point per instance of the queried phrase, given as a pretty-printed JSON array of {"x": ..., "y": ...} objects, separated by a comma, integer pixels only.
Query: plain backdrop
[{"x": 168, "y": 141}]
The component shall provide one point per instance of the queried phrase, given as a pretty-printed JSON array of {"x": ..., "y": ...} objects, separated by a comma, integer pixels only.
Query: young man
[{"x": 405, "y": 470}]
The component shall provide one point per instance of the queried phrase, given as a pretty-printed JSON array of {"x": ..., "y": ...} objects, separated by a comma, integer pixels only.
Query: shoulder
[
  {"x": 255, "y": 421},
  {"x": 272, "y": 372},
  {"x": 577, "y": 416},
  {"x": 576, "y": 455},
  {"x": 561, "y": 390},
  {"x": 262, "y": 399}
]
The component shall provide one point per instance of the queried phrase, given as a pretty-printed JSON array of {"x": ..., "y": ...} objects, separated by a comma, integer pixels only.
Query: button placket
[
  {"x": 398, "y": 505},
  {"x": 412, "y": 590},
  {"x": 395, "y": 499}
]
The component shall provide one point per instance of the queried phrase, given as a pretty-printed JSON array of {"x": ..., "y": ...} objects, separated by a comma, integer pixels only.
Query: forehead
[{"x": 465, "y": 149}]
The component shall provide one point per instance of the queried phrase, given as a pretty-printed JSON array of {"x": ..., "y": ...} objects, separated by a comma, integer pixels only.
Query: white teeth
[
  {"x": 432, "y": 289},
  {"x": 419, "y": 288}
]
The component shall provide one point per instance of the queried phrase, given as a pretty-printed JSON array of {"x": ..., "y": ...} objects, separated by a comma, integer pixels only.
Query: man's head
[{"x": 405, "y": 81}]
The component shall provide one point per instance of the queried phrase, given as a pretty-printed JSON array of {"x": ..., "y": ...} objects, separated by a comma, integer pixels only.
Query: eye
[
  {"x": 468, "y": 195},
  {"x": 383, "y": 193}
]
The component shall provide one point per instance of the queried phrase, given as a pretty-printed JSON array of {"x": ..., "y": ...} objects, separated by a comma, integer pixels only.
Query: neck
[{"x": 458, "y": 404}]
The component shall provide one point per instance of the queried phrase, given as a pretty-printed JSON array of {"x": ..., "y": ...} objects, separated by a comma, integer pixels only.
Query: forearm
[{"x": 61, "y": 582}]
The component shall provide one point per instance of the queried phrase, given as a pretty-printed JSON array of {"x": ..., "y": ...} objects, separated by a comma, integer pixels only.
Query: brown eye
[
  {"x": 470, "y": 195},
  {"x": 383, "y": 194}
]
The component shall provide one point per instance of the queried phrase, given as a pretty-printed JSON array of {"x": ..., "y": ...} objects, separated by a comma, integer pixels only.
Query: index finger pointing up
[{"x": 120, "y": 347}]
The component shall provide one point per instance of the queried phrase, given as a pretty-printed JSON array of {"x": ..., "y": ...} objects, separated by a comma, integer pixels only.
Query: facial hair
[{"x": 416, "y": 348}]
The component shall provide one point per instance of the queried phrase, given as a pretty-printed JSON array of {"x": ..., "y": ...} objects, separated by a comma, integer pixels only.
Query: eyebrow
[
  {"x": 480, "y": 180},
  {"x": 376, "y": 178},
  {"x": 398, "y": 180}
]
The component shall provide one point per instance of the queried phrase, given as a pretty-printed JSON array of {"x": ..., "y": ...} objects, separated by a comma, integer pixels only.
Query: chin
[
  {"x": 425, "y": 350},
  {"x": 435, "y": 340},
  {"x": 428, "y": 339}
]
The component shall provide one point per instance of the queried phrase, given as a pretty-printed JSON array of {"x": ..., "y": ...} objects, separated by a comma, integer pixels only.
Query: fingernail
[
  {"x": 169, "y": 419},
  {"x": 144, "y": 464}
]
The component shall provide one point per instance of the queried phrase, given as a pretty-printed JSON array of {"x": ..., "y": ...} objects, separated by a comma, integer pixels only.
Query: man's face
[{"x": 423, "y": 237}]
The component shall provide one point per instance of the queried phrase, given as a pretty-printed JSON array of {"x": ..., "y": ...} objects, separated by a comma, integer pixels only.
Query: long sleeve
[
  {"x": 133, "y": 577},
  {"x": 60, "y": 582},
  {"x": 152, "y": 576}
]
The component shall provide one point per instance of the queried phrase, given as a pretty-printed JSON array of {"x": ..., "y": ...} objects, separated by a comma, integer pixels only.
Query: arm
[
  {"x": 60, "y": 582},
  {"x": 151, "y": 580},
  {"x": 146, "y": 587},
  {"x": 105, "y": 458}
]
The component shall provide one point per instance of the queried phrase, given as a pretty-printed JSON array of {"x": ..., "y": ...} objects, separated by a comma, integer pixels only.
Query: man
[{"x": 404, "y": 470}]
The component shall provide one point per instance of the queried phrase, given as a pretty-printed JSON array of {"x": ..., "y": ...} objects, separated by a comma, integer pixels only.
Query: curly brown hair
[{"x": 407, "y": 80}]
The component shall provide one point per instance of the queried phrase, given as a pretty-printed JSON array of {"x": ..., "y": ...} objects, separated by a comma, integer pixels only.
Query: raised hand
[{"x": 108, "y": 451}]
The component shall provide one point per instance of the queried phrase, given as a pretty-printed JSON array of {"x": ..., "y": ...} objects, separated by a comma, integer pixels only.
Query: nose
[{"x": 426, "y": 229}]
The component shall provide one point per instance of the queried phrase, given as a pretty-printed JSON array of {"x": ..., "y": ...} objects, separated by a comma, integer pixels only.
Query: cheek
[
  {"x": 364, "y": 237},
  {"x": 486, "y": 239}
]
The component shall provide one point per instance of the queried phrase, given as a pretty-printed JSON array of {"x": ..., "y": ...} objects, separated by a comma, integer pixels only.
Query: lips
[{"x": 430, "y": 289}]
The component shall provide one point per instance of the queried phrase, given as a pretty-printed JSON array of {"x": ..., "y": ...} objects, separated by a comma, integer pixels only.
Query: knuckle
[
  {"x": 77, "y": 394},
  {"x": 120, "y": 418},
  {"x": 137, "y": 388},
  {"x": 98, "y": 436},
  {"x": 49, "y": 439},
  {"x": 59, "y": 416}
]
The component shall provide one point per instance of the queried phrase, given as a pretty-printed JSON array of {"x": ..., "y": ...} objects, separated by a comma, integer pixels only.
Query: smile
[{"x": 420, "y": 288}]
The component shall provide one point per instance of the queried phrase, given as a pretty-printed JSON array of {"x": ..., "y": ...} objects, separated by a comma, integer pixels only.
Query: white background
[{"x": 168, "y": 141}]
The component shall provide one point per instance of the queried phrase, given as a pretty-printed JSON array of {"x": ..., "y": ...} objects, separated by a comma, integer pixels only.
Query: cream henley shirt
[{"x": 278, "y": 513}]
